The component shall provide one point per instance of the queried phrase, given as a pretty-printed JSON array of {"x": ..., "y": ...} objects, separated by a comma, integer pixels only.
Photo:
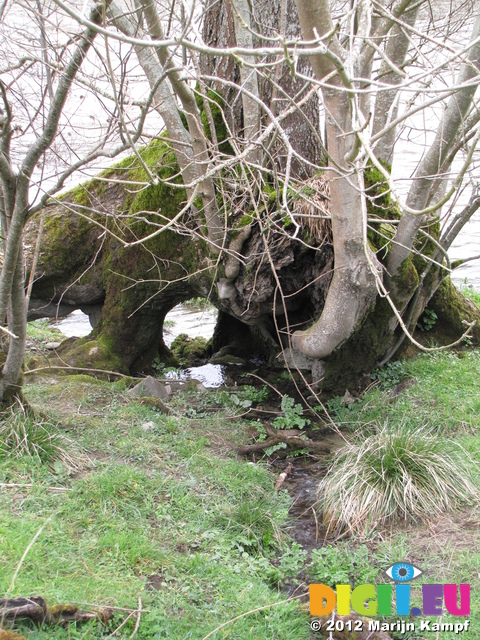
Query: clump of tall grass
[
  {"x": 397, "y": 472},
  {"x": 22, "y": 434}
]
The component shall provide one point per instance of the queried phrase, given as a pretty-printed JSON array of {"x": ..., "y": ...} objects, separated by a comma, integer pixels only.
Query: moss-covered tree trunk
[{"x": 130, "y": 289}]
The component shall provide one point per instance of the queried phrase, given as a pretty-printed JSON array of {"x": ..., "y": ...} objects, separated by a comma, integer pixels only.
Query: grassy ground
[
  {"x": 439, "y": 391},
  {"x": 160, "y": 508}
]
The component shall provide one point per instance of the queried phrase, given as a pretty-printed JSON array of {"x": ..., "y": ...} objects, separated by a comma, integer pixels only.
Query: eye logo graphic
[{"x": 403, "y": 572}]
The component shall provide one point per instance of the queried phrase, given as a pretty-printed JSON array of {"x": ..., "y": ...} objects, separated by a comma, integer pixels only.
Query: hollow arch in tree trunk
[{"x": 281, "y": 281}]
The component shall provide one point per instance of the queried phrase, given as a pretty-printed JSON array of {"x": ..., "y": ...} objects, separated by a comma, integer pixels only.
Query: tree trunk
[{"x": 135, "y": 288}]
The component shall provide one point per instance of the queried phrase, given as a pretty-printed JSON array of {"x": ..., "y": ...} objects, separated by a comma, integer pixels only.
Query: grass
[
  {"x": 41, "y": 331},
  {"x": 436, "y": 394},
  {"x": 159, "y": 507},
  {"x": 470, "y": 293}
]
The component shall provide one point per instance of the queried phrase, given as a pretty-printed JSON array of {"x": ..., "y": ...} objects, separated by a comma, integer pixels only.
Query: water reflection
[
  {"x": 210, "y": 375},
  {"x": 76, "y": 324}
]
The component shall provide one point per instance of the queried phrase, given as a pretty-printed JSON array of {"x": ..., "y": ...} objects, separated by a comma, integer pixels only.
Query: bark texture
[{"x": 128, "y": 290}]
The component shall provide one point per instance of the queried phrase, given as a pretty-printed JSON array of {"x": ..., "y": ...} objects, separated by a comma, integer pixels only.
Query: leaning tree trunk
[{"x": 353, "y": 289}]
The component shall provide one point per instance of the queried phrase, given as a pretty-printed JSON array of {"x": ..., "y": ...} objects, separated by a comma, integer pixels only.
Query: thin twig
[
  {"x": 25, "y": 553},
  {"x": 316, "y": 525},
  {"x": 114, "y": 633},
  {"x": 11, "y": 485},
  {"x": 253, "y": 375},
  {"x": 107, "y": 606},
  {"x": 110, "y": 373},
  {"x": 139, "y": 616},
  {"x": 8, "y": 332}
]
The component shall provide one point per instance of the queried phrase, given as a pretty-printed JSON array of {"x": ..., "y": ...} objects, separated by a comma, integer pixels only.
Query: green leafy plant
[
  {"x": 249, "y": 522},
  {"x": 253, "y": 394},
  {"x": 341, "y": 564},
  {"x": 244, "y": 399},
  {"x": 397, "y": 472},
  {"x": 292, "y": 415},
  {"x": 292, "y": 561},
  {"x": 427, "y": 320},
  {"x": 340, "y": 411},
  {"x": 390, "y": 374},
  {"x": 275, "y": 447}
]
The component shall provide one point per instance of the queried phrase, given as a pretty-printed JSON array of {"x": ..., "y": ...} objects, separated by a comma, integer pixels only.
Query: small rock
[
  {"x": 347, "y": 398},
  {"x": 149, "y": 387},
  {"x": 52, "y": 345},
  {"x": 148, "y": 426}
]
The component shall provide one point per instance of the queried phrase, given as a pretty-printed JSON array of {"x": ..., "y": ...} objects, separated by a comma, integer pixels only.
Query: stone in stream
[{"x": 151, "y": 388}]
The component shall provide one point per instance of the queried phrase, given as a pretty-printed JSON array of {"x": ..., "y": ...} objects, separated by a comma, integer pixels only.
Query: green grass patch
[
  {"x": 435, "y": 394},
  {"x": 158, "y": 508},
  {"x": 395, "y": 473}
]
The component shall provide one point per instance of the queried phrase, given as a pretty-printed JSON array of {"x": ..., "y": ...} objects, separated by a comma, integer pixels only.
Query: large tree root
[
  {"x": 35, "y": 608},
  {"x": 291, "y": 437}
]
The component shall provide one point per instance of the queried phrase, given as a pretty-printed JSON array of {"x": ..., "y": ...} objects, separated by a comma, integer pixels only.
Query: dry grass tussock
[
  {"x": 311, "y": 209},
  {"x": 395, "y": 473}
]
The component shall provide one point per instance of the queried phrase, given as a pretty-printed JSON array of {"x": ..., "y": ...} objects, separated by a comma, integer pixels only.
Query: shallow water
[
  {"x": 76, "y": 324},
  {"x": 185, "y": 320},
  {"x": 196, "y": 324},
  {"x": 210, "y": 375}
]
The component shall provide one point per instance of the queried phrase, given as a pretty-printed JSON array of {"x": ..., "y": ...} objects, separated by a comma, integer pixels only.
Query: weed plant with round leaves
[{"x": 395, "y": 473}]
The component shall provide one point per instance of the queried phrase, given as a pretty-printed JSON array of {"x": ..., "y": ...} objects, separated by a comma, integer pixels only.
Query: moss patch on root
[
  {"x": 452, "y": 308},
  {"x": 89, "y": 354},
  {"x": 190, "y": 350},
  {"x": 380, "y": 204}
]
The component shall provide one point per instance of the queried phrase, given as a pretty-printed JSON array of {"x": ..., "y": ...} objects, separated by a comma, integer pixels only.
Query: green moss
[
  {"x": 216, "y": 104},
  {"x": 424, "y": 246},
  {"x": 68, "y": 244},
  {"x": 93, "y": 354},
  {"x": 189, "y": 350},
  {"x": 380, "y": 205},
  {"x": 452, "y": 308},
  {"x": 407, "y": 279},
  {"x": 245, "y": 220},
  {"x": 83, "y": 194},
  {"x": 79, "y": 378},
  {"x": 130, "y": 275},
  {"x": 58, "y": 610}
]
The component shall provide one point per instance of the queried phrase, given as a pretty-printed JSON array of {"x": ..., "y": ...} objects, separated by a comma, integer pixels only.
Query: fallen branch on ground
[
  {"x": 282, "y": 477},
  {"x": 35, "y": 608},
  {"x": 291, "y": 437}
]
